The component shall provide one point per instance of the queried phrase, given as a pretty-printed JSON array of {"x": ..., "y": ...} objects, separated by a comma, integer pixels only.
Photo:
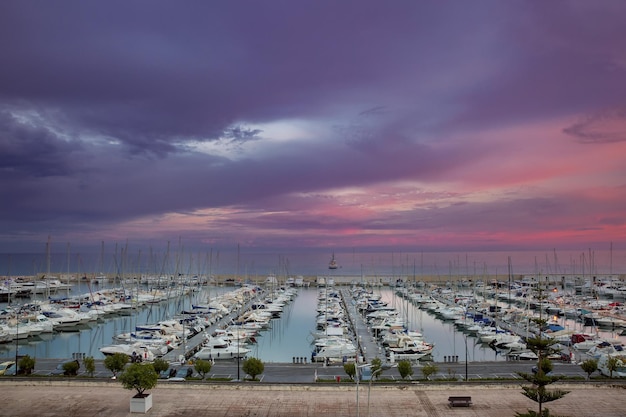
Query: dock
[
  {"x": 366, "y": 344},
  {"x": 189, "y": 347}
]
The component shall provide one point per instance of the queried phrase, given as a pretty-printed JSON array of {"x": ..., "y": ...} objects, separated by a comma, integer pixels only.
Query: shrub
[
  {"x": 71, "y": 368},
  {"x": 405, "y": 369},
  {"x": 589, "y": 366},
  {"x": 116, "y": 363},
  {"x": 160, "y": 365},
  {"x": 350, "y": 370},
  {"x": 429, "y": 369},
  {"x": 90, "y": 365},
  {"x": 253, "y": 367},
  {"x": 612, "y": 363},
  {"x": 203, "y": 367},
  {"x": 26, "y": 364},
  {"x": 377, "y": 368}
]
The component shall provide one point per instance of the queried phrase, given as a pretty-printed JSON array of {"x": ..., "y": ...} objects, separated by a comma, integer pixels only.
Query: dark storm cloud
[
  {"x": 105, "y": 106},
  {"x": 148, "y": 72}
]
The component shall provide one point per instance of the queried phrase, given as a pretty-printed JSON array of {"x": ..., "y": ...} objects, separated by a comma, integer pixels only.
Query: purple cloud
[{"x": 116, "y": 115}]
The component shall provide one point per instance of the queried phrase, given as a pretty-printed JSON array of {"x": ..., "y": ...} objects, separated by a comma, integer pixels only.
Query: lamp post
[
  {"x": 369, "y": 388},
  {"x": 17, "y": 337},
  {"x": 356, "y": 372},
  {"x": 465, "y": 357},
  {"x": 237, "y": 351},
  {"x": 356, "y": 357}
]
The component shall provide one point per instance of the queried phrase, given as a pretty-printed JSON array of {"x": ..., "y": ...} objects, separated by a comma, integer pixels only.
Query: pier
[
  {"x": 190, "y": 346},
  {"x": 367, "y": 347}
]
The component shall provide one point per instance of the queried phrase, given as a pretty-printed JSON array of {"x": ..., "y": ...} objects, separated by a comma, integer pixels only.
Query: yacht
[
  {"x": 215, "y": 348},
  {"x": 138, "y": 349}
]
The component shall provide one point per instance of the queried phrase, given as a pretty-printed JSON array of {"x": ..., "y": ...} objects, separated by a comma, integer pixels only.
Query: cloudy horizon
[{"x": 436, "y": 125}]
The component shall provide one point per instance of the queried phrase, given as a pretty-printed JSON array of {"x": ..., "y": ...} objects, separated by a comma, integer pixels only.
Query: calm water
[
  {"x": 253, "y": 263},
  {"x": 288, "y": 336}
]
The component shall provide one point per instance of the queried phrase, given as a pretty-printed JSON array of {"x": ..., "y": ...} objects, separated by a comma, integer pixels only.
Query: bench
[{"x": 460, "y": 401}]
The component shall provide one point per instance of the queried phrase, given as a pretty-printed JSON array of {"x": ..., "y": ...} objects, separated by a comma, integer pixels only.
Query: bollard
[{"x": 294, "y": 359}]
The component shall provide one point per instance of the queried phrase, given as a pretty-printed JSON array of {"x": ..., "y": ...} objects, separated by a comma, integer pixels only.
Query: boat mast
[{"x": 48, "y": 267}]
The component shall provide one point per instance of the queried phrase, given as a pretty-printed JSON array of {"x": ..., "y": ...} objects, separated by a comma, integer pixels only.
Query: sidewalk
[{"x": 76, "y": 398}]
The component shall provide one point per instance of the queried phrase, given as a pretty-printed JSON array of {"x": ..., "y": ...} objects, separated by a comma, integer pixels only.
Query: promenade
[{"x": 74, "y": 398}]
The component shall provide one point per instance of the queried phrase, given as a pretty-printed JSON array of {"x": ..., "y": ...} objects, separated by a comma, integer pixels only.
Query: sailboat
[{"x": 333, "y": 263}]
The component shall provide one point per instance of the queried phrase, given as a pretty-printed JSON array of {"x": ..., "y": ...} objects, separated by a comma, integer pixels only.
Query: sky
[{"x": 426, "y": 125}]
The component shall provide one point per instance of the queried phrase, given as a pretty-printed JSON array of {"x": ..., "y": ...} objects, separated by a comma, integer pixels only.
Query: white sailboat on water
[{"x": 333, "y": 262}]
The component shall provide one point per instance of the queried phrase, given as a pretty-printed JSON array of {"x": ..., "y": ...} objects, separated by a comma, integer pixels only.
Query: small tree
[
  {"x": 376, "y": 365},
  {"x": 26, "y": 364},
  {"x": 405, "y": 369},
  {"x": 612, "y": 363},
  {"x": 203, "y": 367},
  {"x": 589, "y": 366},
  {"x": 71, "y": 368},
  {"x": 90, "y": 365},
  {"x": 350, "y": 369},
  {"x": 160, "y": 365},
  {"x": 429, "y": 369},
  {"x": 253, "y": 367},
  {"x": 140, "y": 377},
  {"x": 116, "y": 363}
]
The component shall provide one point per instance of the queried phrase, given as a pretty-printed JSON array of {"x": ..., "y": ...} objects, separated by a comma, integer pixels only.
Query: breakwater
[{"x": 339, "y": 279}]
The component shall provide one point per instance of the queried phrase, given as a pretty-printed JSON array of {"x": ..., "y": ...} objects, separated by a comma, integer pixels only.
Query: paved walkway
[{"x": 68, "y": 399}]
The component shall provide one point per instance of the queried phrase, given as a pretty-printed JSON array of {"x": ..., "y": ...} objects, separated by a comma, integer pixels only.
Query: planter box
[{"x": 141, "y": 404}]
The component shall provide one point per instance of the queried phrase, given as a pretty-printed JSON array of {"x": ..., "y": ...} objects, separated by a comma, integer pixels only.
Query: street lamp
[
  {"x": 237, "y": 325},
  {"x": 465, "y": 357},
  {"x": 356, "y": 371},
  {"x": 17, "y": 337},
  {"x": 369, "y": 387},
  {"x": 237, "y": 353}
]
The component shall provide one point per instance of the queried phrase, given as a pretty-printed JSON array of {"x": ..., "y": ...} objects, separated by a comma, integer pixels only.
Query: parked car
[
  {"x": 535, "y": 369},
  {"x": 168, "y": 373},
  {"x": 182, "y": 373},
  {"x": 5, "y": 365},
  {"x": 11, "y": 370},
  {"x": 60, "y": 368}
]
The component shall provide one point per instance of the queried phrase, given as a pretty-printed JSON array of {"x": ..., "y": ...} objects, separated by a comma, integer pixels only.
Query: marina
[{"x": 396, "y": 321}]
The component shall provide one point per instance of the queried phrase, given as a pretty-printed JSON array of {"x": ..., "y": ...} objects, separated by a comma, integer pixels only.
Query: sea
[
  {"x": 290, "y": 335},
  {"x": 253, "y": 263}
]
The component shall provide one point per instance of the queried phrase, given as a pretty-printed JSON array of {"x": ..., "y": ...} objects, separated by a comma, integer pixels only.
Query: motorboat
[
  {"x": 62, "y": 319},
  {"x": 216, "y": 348},
  {"x": 140, "y": 350},
  {"x": 333, "y": 349}
]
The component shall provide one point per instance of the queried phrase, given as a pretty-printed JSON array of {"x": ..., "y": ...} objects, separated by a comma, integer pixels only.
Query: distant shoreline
[{"x": 310, "y": 280}]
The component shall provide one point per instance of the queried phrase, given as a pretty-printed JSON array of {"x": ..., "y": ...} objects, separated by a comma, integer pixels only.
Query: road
[{"x": 306, "y": 372}]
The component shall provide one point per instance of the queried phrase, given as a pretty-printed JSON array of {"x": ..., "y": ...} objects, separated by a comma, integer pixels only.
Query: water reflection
[{"x": 288, "y": 337}]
